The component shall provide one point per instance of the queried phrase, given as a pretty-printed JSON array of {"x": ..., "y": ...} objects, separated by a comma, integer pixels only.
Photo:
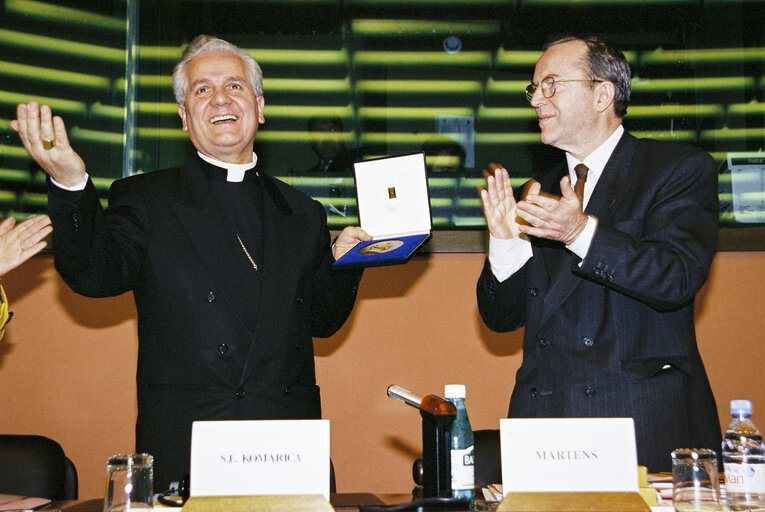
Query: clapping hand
[{"x": 499, "y": 206}]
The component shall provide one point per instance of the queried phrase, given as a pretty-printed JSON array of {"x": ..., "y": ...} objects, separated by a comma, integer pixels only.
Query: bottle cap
[
  {"x": 740, "y": 408},
  {"x": 454, "y": 391}
]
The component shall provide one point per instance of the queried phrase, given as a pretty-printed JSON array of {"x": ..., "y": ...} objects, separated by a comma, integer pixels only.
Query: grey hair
[
  {"x": 203, "y": 44},
  {"x": 605, "y": 62}
]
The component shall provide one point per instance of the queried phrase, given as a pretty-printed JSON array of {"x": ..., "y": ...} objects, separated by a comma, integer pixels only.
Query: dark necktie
[{"x": 581, "y": 177}]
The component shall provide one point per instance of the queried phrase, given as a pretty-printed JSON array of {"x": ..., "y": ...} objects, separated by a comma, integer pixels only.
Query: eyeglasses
[{"x": 548, "y": 87}]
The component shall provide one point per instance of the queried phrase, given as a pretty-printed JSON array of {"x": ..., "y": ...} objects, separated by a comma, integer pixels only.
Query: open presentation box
[{"x": 394, "y": 208}]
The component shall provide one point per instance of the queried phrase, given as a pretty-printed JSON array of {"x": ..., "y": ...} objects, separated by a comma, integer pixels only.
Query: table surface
[
  {"x": 349, "y": 502},
  {"x": 339, "y": 501}
]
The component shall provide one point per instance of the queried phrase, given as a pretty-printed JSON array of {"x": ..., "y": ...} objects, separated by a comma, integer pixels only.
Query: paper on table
[
  {"x": 493, "y": 493},
  {"x": 11, "y": 502}
]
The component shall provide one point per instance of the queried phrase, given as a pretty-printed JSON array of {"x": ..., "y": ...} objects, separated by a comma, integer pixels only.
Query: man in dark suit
[
  {"x": 334, "y": 162},
  {"x": 231, "y": 269},
  {"x": 606, "y": 295},
  {"x": 328, "y": 144}
]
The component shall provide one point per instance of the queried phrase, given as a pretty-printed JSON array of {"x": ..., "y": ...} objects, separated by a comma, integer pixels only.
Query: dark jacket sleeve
[
  {"x": 502, "y": 305},
  {"x": 88, "y": 257},
  {"x": 333, "y": 290}
]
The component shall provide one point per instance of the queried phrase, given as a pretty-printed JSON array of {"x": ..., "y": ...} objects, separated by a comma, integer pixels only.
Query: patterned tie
[{"x": 581, "y": 177}]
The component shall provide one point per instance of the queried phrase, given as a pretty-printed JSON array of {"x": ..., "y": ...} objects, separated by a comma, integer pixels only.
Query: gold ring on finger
[{"x": 48, "y": 143}]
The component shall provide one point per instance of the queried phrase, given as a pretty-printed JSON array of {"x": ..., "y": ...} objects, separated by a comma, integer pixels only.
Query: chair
[
  {"x": 36, "y": 466},
  {"x": 487, "y": 461}
]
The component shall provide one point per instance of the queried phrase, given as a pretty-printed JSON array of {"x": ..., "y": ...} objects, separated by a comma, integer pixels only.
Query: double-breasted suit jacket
[
  {"x": 218, "y": 340},
  {"x": 613, "y": 335}
]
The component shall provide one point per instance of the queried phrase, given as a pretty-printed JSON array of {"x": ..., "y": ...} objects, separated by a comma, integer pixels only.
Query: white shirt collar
[
  {"x": 235, "y": 171},
  {"x": 597, "y": 160}
]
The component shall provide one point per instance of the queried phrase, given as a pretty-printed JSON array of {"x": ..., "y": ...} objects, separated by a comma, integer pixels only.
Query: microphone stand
[{"x": 437, "y": 417}]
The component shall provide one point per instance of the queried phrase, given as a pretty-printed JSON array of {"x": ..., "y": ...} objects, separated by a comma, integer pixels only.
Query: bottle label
[
  {"x": 463, "y": 476},
  {"x": 745, "y": 478}
]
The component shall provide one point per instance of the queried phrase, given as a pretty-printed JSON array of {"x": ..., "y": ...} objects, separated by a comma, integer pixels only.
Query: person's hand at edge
[{"x": 19, "y": 242}]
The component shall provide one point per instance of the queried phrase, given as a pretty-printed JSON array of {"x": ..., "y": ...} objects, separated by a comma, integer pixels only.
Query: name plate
[
  {"x": 248, "y": 458},
  {"x": 568, "y": 455}
]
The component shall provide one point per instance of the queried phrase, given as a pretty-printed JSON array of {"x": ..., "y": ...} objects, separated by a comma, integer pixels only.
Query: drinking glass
[
  {"x": 695, "y": 484},
  {"x": 129, "y": 482}
]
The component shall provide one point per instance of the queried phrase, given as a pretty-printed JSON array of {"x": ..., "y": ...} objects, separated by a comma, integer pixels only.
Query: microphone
[{"x": 430, "y": 403}]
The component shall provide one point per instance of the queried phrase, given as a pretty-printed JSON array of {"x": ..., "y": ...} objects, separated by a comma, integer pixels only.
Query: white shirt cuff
[
  {"x": 73, "y": 188},
  {"x": 506, "y": 257},
  {"x": 581, "y": 245}
]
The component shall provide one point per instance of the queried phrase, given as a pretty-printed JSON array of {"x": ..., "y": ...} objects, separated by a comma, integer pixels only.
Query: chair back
[
  {"x": 36, "y": 466},
  {"x": 487, "y": 459}
]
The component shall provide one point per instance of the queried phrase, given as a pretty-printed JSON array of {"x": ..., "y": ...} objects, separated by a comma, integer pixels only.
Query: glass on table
[
  {"x": 695, "y": 482},
  {"x": 129, "y": 482}
]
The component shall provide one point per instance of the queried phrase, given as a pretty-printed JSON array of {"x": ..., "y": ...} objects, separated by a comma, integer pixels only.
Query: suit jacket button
[
  {"x": 287, "y": 390},
  {"x": 534, "y": 392},
  {"x": 222, "y": 348},
  {"x": 541, "y": 342},
  {"x": 240, "y": 393},
  {"x": 210, "y": 297},
  {"x": 589, "y": 392},
  {"x": 299, "y": 300},
  {"x": 534, "y": 291},
  {"x": 587, "y": 341}
]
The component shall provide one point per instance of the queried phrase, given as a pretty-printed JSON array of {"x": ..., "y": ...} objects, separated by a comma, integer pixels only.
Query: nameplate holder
[
  {"x": 569, "y": 465},
  {"x": 271, "y": 503},
  {"x": 573, "y": 502},
  {"x": 259, "y": 458}
]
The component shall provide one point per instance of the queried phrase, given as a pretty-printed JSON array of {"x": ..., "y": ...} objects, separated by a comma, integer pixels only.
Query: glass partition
[
  {"x": 352, "y": 79},
  {"x": 72, "y": 56}
]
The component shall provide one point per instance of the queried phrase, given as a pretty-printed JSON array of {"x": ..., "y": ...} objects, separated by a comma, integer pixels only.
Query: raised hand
[{"x": 45, "y": 139}]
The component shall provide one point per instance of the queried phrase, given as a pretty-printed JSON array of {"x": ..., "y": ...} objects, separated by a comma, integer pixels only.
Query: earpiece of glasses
[{"x": 548, "y": 86}]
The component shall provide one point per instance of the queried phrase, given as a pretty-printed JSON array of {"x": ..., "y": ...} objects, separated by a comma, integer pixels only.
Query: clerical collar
[{"x": 236, "y": 172}]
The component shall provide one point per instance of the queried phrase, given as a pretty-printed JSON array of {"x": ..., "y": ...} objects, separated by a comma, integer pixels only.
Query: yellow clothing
[{"x": 5, "y": 315}]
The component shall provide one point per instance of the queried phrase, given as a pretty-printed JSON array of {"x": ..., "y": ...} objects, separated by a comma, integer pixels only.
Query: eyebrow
[{"x": 231, "y": 78}]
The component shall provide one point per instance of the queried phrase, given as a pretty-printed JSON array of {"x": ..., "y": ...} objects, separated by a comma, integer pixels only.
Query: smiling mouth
[{"x": 220, "y": 119}]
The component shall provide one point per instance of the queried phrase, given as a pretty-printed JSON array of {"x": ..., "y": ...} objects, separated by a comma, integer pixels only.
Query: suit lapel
[
  {"x": 616, "y": 181},
  {"x": 282, "y": 244},
  {"x": 609, "y": 192},
  {"x": 281, "y": 249}
]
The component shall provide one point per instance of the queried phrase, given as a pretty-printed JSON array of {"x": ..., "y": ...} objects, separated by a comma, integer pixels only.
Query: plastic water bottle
[
  {"x": 463, "y": 475},
  {"x": 743, "y": 460}
]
